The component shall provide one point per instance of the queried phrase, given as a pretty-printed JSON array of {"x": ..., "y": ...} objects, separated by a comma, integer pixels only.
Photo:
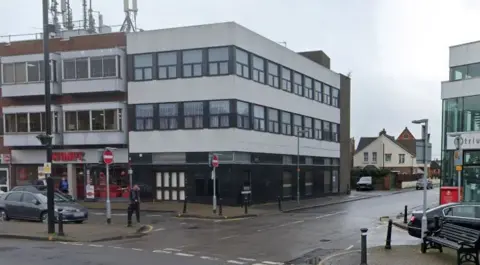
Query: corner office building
[
  {"x": 221, "y": 88},
  {"x": 461, "y": 114}
]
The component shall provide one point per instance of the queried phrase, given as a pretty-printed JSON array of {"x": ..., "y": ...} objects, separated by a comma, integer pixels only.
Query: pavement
[
  {"x": 269, "y": 239},
  {"x": 398, "y": 255}
]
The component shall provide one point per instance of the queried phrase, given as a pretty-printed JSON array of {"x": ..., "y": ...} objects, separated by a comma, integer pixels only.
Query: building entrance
[{"x": 4, "y": 183}]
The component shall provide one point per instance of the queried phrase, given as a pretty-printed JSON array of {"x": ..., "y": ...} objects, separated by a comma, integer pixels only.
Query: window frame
[
  {"x": 118, "y": 117},
  {"x": 245, "y": 119},
  {"x": 258, "y": 75},
  {"x": 173, "y": 120},
  {"x": 144, "y": 119},
  {"x": 335, "y": 95},
  {"x": 245, "y": 68},
  {"x": 259, "y": 120},
  {"x": 307, "y": 87},
  {"x": 273, "y": 126},
  {"x": 192, "y": 65},
  {"x": 327, "y": 133},
  {"x": 335, "y": 131},
  {"x": 298, "y": 88},
  {"x": 297, "y": 127},
  {"x": 308, "y": 129},
  {"x": 286, "y": 127},
  {"x": 194, "y": 117},
  {"x": 286, "y": 83},
  {"x": 167, "y": 66},
  {"x": 327, "y": 94},
  {"x": 217, "y": 62},
  {"x": 318, "y": 132},
  {"x": 273, "y": 77},
  {"x": 142, "y": 68},
  {"x": 219, "y": 116},
  {"x": 114, "y": 57}
]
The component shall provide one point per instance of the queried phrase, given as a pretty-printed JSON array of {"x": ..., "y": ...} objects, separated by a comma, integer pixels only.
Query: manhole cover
[{"x": 324, "y": 240}]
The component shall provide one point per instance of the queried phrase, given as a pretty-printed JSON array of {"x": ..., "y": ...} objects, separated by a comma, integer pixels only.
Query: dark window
[
  {"x": 144, "y": 117},
  {"x": 29, "y": 198},
  {"x": 103, "y": 66},
  {"x": 326, "y": 95},
  {"x": 286, "y": 79},
  {"x": 258, "y": 69},
  {"x": 273, "y": 124},
  {"x": 193, "y": 113},
  {"x": 317, "y": 133},
  {"x": 243, "y": 115},
  {"x": 327, "y": 135},
  {"x": 335, "y": 132},
  {"x": 297, "y": 84},
  {"x": 286, "y": 123},
  {"x": 219, "y": 114},
  {"x": 33, "y": 71},
  {"x": 167, "y": 65},
  {"x": 218, "y": 61},
  {"x": 81, "y": 65},
  {"x": 258, "y": 118},
  {"x": 14, "y": 197},
  {"x": 192, "y": 63},
  {"x": 307, "y": 127},
  {"x": 317, "y": 94},
  {"x": 308, "y": 87},
  {"x": 142, "y": 67},
  {"x": 297, "y": 125},
  {"x": 242, "y": 64},
  {"x": 168, "y": 116},
  {"x": 335, "y": 97},
  {"x": 273, "y": 75}
]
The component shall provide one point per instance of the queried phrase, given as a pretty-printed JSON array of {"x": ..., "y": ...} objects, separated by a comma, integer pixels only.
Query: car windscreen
[
  {"x": 56, "y": 198},
  {"x": 365, "y": 180}
]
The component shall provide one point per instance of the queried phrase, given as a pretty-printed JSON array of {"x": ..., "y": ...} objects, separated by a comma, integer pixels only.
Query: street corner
[{"x": 216, "y": 218}]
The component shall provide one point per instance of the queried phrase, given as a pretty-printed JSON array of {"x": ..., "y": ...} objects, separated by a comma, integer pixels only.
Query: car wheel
[
  {"x": 44, "y": 217},
  {"x": 3, "y": 215}
]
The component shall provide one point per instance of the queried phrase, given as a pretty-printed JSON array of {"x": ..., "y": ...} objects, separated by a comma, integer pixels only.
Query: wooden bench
[{"x": 465, "y": 241}]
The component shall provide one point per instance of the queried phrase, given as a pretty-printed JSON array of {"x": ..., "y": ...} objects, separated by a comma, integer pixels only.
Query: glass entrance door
[
  {"x": 471, "y": 183},
  {"x": 4, "y": 179}
]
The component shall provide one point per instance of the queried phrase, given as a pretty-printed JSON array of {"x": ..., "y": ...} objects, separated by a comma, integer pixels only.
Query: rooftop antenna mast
[
  {"x": 54, "y": 12},
  {"x": 91, "y": 19},
  {"x": 130, "y": 22},
  {"x": 67, "y": 17},
  {"x": 85, "y": 15}
]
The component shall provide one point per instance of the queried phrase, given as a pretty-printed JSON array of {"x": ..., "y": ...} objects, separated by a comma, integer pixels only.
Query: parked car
[
  {"x": 41, "y": 189},
  {"x": 365, "y": 183},
  {"x": 24, "y": 205},
  {"x": 419, "y": 185},
  {"x": 464, "y": 214}
]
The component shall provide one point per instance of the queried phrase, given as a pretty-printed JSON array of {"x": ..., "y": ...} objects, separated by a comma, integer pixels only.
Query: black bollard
[
  {"x": 279, "y": 203},
  {"x": 245, "y": 203},
  {"x": 405, "y": 213},
  {"x": 60, "y": 224},
  {"x": 388, "y": 242},
  {"x": 364, "y": 246},
  {"x": 220, "y": 207},
  {"x": 185, "y": 205}
]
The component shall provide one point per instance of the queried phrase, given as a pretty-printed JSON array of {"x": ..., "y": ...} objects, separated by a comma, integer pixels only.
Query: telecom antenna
[
  {"x": 85, "y": 16},
  {"x": 67, "y": 17},
  {"x": 130, "y": 22},
  {"x": 91, "y": 19},
  {"x": 54, "y": 12}
]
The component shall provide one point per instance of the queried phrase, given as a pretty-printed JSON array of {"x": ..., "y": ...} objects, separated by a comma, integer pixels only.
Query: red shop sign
[{"x": 68, "y": 156}]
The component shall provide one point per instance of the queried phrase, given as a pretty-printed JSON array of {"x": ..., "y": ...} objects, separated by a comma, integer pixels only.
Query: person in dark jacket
[{"x": 134, "y": 205}]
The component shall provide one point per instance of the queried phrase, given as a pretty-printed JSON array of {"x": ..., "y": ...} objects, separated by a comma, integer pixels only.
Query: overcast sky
[{"x": 397, "y": 50}]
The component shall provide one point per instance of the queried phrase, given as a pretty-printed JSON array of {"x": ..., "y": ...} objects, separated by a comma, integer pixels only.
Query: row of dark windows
[
  {"x": 231, "y": 113},
  {"x": 230, "y": 60}
]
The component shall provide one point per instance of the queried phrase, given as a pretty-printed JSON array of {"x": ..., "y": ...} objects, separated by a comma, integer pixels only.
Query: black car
[
  {"x": 365, "y": 183},
  {"x": 41, "y": 189},
  {"x": 464, "y": 214},
  {"x": 24, "y": 205}
]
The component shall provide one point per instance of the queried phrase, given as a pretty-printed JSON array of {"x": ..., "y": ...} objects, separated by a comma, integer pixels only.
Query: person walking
[
  {"x": 64, "y": 185},
  {"x": 134, "y": 205}
]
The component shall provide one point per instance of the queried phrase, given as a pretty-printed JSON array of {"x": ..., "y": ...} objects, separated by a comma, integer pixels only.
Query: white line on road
[
  {"x": 208, "y": 258},
  {"x": 77, "y": 244},
  {"x": 162, "y": 251},
  {"x": 159, "y": 229},
  {"x": 227, "y": 237},
  {"x": 235, "y": 262},
  {"x": 154, "y": 215},
  {"x": 330, "y": 214},
  {"x": 116, "y": 247},
  {"x": 137, "y": 249},
  {"x": 273, "y": 263},
  {"x": 246, "y": 259},
  {"x": 184, "y": 254},
  {"x": 171, "y": 249},
  {"x": 96, "y": 246},
  {"x": 298, "y": 222},
  {"x": 350, "y": 247}
]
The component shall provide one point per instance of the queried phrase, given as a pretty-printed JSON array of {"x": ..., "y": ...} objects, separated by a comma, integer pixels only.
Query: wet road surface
[{"x": 269, "y": 240}]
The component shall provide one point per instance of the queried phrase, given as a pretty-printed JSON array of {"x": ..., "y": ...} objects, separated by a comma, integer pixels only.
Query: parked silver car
[
  {"x": 24, "y": 205},
  {"x": 419, "y": 185}
]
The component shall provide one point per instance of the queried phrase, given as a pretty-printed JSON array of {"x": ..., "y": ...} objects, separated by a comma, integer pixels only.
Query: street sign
[
  {"x": 108, "y": 156},
  {"x": 215, "y": 161},
  {"x": 458, "y": 158},
  {"x": 458, "y": 168},
  {"x": 458, "y": 141},
  {"x": 47, "y": 168}
]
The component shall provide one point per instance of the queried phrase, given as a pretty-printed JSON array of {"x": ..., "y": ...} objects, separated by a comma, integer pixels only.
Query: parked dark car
[
  {"x": 464, "y": 214},
  {"x": 41, "y": 189},
  {"x": 419, "y": 185},
  {"x": 365, "y": 183},
  {"x": 24, "y": 205}
]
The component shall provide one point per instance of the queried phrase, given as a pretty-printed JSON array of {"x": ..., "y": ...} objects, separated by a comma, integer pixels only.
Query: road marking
[
  {"x": 273, "y": 263},
  {"x": 116, "y": 247},
  {"x": 208, "y": 258},
  {"x": 235, "y": 262},
  {"x": 77, "y": 244},
  {"x": 154, "y": 215},
  {"x": 259, "y": 230},
  {"x": 137, "y": 249},
  {"x": 162, "y": 251},
  {"x": 246, "y": 259},
  {"x": 159, "y": 229},
  {"x": 298, "y": 222},
  {"x": 96, "y": 246},
  {"x": 184, "y": 254},
  {"x": 227, "y": 237},
  {"x": 330, "y": 214},
  {"x": 171, "y": 249},
  {"x": 350, "y": 247}
]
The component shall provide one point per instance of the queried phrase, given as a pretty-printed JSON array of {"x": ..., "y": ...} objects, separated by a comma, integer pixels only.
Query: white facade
[
  {"x": 383, "y": 147},
  {"x": 227, "y": 87}
]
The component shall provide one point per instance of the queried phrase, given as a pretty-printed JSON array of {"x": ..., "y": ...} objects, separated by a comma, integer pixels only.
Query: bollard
[
  {"x": 60, "y": 224},
  {"x": 348, "y": 189},
  {"x": 388, "y": 242},
  {"x": 364, "y": 246},
  {"x": 405, "y": 213},
  {"x": 185, "y": 205},
  {"x": 220, "y": 207},
  {"x": 245, "y": 203},
  {"x": 279, "y": 203}
]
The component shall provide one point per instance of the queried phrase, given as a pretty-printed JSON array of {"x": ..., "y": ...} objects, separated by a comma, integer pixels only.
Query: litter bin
[{"x": 450, "y": 194}]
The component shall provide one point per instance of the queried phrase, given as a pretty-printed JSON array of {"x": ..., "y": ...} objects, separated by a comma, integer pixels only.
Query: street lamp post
[
  {"x": 424, "y": 123},
  {"x": 299, "y": 132}
]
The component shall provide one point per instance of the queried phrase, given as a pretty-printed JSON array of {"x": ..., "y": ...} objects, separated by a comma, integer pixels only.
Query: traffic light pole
[{"x": 48, "y": 118}]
